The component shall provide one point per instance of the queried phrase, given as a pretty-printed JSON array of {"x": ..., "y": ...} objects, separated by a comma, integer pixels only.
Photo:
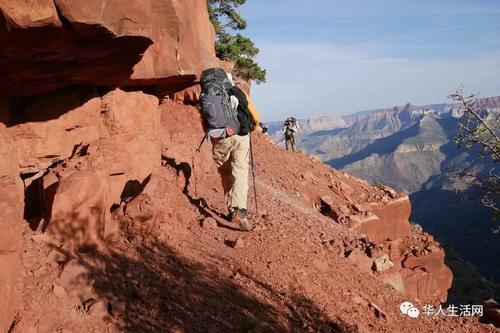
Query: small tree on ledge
[
  {"x": 478, "y": 129},
  {"x": 237, "y": 48}
]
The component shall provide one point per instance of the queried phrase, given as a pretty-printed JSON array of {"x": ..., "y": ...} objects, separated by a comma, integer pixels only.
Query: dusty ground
[{"x": 187, "y": 275}]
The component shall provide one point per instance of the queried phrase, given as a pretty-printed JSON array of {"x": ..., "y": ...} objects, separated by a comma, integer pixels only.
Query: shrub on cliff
[
  {"x": 237, "y": 48},
  {"x": 479, "y": 130}
]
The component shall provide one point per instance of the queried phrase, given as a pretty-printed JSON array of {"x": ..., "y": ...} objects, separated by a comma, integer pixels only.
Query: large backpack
[
  {"x": 289, "y": 133},
  {"x": 219, "y": 118}
]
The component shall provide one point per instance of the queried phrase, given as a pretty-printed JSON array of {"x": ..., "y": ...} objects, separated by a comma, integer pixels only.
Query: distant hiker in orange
[
  {"x": 228, "y": 117},
  {"x": 290, "y": 132}
]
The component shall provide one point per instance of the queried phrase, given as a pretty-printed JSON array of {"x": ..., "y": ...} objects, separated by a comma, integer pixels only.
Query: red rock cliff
[
  {"x": 57, "y": 43},
  {"x": 46, "y": 45},
  {"x": 101, "y": 170}
]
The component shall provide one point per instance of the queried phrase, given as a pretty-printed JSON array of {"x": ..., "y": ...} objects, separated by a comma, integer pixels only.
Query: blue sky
[{"x": 330, "y": 57}]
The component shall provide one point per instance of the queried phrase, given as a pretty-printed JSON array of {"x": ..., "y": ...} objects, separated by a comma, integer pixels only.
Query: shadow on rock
[{"x": 149, "y": 287}]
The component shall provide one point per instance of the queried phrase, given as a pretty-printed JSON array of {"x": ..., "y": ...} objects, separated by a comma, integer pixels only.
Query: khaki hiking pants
[
  {"x": 290, "y": 144},
  {"x": 232, "y": 156}
]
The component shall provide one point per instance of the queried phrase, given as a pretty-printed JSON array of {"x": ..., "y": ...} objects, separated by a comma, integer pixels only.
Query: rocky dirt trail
[
  {"x": 194, "y": 273},
  {"x": 112, "y": 222}
]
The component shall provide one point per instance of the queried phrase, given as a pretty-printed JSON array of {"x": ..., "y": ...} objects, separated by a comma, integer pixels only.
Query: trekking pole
[
  {"x": 194, "y": 175},
  {"x": 253, "y": 176},
  {"x": 201, "y": 143}
]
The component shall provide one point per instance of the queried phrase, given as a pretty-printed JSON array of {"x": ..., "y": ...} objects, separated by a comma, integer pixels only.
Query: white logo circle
[
  {"x": 405, "y": 306},
  {"x": 413, "y": 312}
]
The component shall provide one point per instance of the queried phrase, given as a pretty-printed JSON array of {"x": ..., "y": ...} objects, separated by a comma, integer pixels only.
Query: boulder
[
  {"x": 116, "y": 135},
  {"x": 425, "y": 276},
  {"x": 209, "y": 223},
  {"x": 329, "y": 208},
  {"x": 394, "y": 279},
  {"x": 138, "y": 217},
  {"x": 140, "y": 209},
  {"x": 361, "y": 260},
  {"x": 429, "y": 287},
  {"x": 77, "y": 219},
  {"x": 382, "y": 263},
  {"x": 159, "y": 183},
  {"x": 393, "y": 220},
  {"x": 129, "y": 132},
  {"x": 76, "y": 280}
]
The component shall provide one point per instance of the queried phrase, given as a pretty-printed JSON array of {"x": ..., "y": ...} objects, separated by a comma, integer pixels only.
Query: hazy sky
[{"x": 326, "y": 57}]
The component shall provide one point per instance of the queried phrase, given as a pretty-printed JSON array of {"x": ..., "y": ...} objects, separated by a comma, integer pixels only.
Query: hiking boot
[
  {"x": 228, "y": 217},
  {"x": 240, "y": 219},
  {"x": 231, "y": 215}
]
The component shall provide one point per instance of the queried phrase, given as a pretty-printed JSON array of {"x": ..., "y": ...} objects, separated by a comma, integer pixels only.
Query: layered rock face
[
  {"x": 75, "y": 166},
  {"x": 88, "y": 152},
  {"x": 79, "y": 151},
  {"x": 398, "y": 253},
  {"x": 57, "y": 43}
]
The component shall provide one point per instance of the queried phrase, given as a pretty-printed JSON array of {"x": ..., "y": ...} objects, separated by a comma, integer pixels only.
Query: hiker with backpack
[
  {"x": 290, "y": 132},
  {"x": 228, "y": 117}
]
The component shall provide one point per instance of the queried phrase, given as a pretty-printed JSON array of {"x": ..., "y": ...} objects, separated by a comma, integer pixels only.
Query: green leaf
[{"x": 237, "y": 48}]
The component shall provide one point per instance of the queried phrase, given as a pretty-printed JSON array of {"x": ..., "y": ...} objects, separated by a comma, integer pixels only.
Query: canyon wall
[
  {"x": 68, "y": 136},
  {"x": 84, "y": 149}
]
